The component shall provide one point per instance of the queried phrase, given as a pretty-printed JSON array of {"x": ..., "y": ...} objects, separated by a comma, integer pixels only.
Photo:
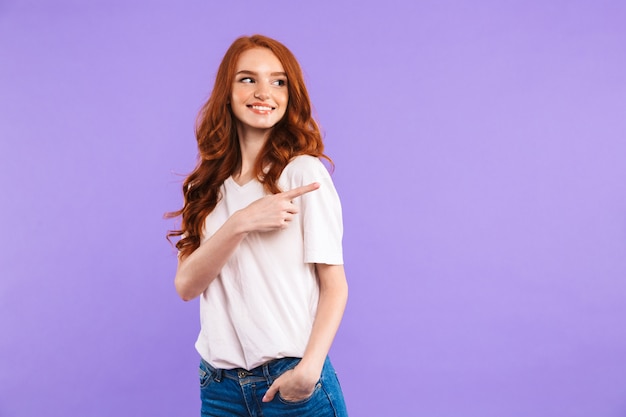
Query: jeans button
[{"x": 241, "y": 374}]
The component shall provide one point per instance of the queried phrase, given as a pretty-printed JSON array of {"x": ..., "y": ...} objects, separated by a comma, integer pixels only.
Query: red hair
[{"x": 219, "y": 157}]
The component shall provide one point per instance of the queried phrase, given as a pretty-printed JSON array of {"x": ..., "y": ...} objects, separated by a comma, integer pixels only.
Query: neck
[{"x": 251, "y": 142}]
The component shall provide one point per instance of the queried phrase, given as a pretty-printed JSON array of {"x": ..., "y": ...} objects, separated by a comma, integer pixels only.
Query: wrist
[
  {"x": 239, "y": 223},
  {"x": 308, "y": 370}
]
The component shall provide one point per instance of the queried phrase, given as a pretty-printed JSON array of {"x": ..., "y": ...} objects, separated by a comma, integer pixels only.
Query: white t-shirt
[{"x": 262, "y": 304}]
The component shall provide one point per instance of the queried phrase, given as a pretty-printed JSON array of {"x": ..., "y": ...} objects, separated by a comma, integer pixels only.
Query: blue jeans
[{"x": 238, "y": 392}]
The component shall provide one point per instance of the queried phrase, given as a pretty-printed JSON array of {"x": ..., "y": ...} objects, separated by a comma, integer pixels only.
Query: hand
[
  {"x": 274, "y": 212},
  {"x": 293, "y": 386}
]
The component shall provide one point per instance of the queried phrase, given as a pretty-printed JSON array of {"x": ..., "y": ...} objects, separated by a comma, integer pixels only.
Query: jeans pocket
[
  {"x": 206, "y": 375},
  {"x": 318, "y": 386}
]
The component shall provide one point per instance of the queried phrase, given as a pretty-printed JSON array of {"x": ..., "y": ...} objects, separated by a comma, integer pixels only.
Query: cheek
[
  {"x": 284, "y": 98},
  {"x": 284, "y": 103},
  {"x": 235, "y": 95},
  {"x": 239, "y": 92}
]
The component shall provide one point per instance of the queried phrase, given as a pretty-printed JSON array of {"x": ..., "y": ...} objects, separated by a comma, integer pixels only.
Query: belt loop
[
  {"x": 218, "y": 375},
  {"x": 267, "y": 374}
]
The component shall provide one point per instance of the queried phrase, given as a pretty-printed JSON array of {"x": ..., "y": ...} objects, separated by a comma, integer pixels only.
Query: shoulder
[
  {"x": 303, "y": 170},
  {"x": 305, "y": 164}
]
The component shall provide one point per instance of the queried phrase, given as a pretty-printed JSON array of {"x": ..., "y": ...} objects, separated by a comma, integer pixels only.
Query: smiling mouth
[{"x": 260, "y": 108}]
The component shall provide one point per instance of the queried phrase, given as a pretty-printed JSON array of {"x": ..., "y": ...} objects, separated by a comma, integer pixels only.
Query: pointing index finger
[{"x": 298, "y": 191}]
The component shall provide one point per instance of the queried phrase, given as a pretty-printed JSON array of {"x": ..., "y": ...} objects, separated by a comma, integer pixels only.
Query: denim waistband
[{"x": 269, "y": 371}]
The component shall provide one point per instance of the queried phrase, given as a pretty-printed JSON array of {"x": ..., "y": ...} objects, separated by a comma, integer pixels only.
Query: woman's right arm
[{"x": 196, "y": 271}]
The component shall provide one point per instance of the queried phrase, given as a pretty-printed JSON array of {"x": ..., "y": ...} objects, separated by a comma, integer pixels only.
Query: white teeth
[{"x": 262, "y": 108}]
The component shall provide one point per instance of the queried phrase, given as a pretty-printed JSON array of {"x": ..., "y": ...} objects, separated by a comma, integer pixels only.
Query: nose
[{"x": 262, "y": 91}]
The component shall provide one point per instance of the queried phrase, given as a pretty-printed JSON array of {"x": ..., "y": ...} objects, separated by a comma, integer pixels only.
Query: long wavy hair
[{"x": 219, "y": 155}]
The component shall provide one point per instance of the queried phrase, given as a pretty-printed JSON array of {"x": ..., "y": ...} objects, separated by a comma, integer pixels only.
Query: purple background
[{"x": 480, "y": 154}]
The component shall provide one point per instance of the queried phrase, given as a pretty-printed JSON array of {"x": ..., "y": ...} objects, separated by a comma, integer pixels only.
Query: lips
[{"x": 261, "y": 108}]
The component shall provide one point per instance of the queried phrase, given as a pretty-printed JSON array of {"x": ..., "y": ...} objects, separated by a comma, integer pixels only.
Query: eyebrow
[{"x": 273, "y": 74}]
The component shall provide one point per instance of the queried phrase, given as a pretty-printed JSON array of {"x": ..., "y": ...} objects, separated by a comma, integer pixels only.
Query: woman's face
[{"x": 259, "y": 94}]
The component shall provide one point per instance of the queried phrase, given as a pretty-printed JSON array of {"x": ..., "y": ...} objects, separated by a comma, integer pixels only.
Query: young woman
[{"x": 261, "y": 242}]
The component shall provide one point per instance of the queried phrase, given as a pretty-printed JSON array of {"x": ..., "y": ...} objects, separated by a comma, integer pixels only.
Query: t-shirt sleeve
[{"x": 320, "y": 210}]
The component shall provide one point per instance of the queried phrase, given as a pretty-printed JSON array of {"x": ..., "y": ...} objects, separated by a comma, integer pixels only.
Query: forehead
[{"x": 259, "y": 60}]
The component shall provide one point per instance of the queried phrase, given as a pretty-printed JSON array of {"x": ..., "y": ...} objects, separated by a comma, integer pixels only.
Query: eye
[
  {"x": 246, "y": 80},
  {"x": 280, "y": 82}
]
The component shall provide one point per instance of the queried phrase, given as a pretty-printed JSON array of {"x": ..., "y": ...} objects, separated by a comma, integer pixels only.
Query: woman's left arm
[{"x": 299, "y": 383}]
